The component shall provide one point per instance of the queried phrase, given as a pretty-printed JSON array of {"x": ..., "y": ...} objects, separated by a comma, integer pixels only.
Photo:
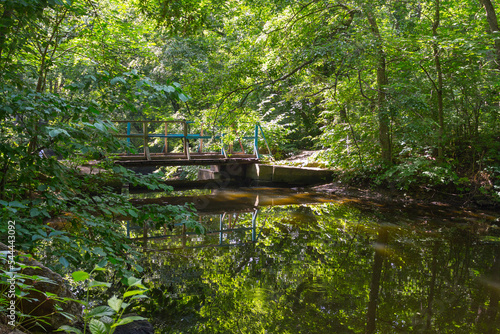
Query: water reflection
[
  {"x": 332, "y": 267},
  {"x": 221, "y": 230}
]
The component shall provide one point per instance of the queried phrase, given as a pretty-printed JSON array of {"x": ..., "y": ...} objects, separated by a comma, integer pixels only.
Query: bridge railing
[
  {"x": 230, "y": 229},
  {"x": 182, "y": 126}
]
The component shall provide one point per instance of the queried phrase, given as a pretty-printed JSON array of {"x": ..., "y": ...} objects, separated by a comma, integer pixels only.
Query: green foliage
[
  {"x": 417, "y": 171},
  {"x": 12, "y": 276},
  {"x": 105, "y": 318}
]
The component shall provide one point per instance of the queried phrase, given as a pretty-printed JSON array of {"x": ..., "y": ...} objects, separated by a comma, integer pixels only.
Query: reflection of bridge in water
[
  {"x": 221, "y": 230},
  {"x": 230, "y": 217}
]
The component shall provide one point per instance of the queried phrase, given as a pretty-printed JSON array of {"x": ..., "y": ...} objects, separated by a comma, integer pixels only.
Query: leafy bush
[{"x": 105, "y": 318}]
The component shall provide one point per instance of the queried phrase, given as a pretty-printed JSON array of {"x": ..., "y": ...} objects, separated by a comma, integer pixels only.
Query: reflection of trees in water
[{"x": 332, "y": 269}]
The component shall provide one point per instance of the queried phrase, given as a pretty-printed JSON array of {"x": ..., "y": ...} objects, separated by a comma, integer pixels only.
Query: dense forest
[{"x": 400, "y": 94}]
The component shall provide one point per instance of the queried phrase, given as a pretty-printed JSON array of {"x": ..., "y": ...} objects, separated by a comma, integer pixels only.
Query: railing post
[
  {"x": 200, "y": 148},
  {"x": 166, "y": 139},
  {"x": 265, "y": 140},
  {"x": 222, "y": 150},
  {"x": 186, "y": 143},
  {"x": 256, "y": 142},
  {"x": 145, "y": 135},
  {"x": 128, "y": 132},
  {"x": 129, "y": 127}
]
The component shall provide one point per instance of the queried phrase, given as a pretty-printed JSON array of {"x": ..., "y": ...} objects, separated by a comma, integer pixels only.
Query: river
[{"x": 279, "y": 261}]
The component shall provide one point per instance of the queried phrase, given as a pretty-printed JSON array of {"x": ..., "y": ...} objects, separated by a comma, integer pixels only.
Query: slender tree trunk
[
  {"x": 439, "y": 86},
  {"x": 383, "y": 115},
  {"x": 491, "y": 17},
  {"x": 5, "y": 27},
  {"x": 371, "y": 314},
  {"x": 41, "y": 75}
]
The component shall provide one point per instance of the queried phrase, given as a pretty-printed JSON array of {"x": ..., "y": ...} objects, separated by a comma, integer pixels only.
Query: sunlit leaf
[
  {"x": 115, "y": 303},
  {"x": 80, "y": 276}
]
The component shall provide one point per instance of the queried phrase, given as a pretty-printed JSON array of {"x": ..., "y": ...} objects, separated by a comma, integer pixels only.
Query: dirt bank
[{"x": 419, "y": 196}]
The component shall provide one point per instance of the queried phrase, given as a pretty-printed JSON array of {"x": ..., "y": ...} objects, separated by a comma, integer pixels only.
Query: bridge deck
[{"x": 179, "y": 159}]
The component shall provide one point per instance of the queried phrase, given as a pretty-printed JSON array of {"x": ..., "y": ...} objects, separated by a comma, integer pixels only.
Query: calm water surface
[{"x": 277, "y": 261}]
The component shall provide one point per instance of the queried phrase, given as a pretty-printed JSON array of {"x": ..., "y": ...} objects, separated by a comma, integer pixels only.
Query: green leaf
[
  {"x": 99, "y": 268},
  {"x": 132, "y": 293},
  {"x": 139, "y": 297},
  {"x": 69, "y": 329},
  {"x": 127, "y": 320},
  {"x": 132, "y": 281},
  {"x": 80, "y": 276},
  {"x": 115, "y": 303},
  {"x": 36, "y": 237},
  {"x": 97, "y": 327},
  {"x": 183, "y": 97},
  {"x": 55, "y": 132},
  {"x": 102, "y": 264},
  {"x": 97, "y": 283},
  {"x": 56, "y": 233},
  {"x": 117, "y": 79},
  {"x": 34, "y": 212},
  {"x": 100, "y": 311},
  {"x": 64, "y": 262},
  {"x": 133, "y": 213},
  {"x": 100, "y": 126},
  {"x": 16, "y": 204},
  {"x": 94, "y": 110}
]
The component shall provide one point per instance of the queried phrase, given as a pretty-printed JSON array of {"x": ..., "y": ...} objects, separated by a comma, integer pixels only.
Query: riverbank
[
  {"x": 422, "y": 195},
  {"x": 365, "y": 188}
]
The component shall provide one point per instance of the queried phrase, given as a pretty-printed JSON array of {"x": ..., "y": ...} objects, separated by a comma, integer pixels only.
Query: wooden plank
[{"x": 185, "y": 162}]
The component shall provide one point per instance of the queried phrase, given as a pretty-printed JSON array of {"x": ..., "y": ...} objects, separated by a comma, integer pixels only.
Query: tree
[{"x": 491, "y": 17}]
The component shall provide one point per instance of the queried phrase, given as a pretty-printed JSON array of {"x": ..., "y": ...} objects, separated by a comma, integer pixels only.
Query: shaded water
[{"x": 276, "y": 261}]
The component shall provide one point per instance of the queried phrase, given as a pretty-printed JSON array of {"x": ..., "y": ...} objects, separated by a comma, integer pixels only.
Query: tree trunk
[
  {"x": 439, "y": 86},
  {"x": 383, "y": 115},
  {"x": 371, "y": 314},
  {"x": 4, "y": 27},
  {"x": 491, "y": 17}
]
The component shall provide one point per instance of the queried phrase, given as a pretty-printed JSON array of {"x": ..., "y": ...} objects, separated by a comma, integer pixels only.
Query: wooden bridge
[{"x": 196, "y": 148}]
